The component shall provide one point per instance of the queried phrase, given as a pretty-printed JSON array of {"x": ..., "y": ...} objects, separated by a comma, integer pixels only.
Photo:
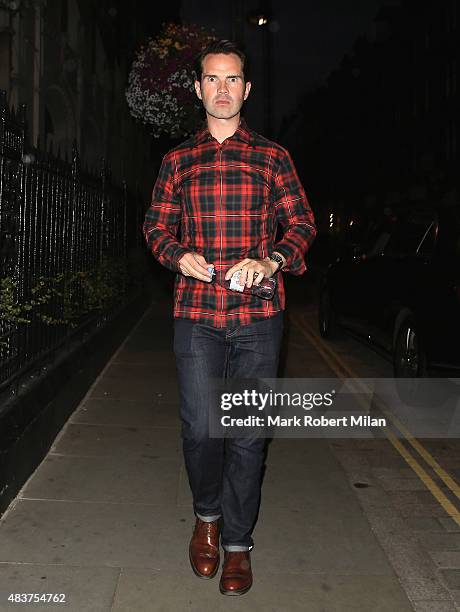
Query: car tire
[
  {"x": 326, "y": 316},
  {"x": 409, "y": 358}
]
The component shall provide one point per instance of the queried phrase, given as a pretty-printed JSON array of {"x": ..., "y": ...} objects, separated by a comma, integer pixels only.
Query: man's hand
[
  {"x": 193, "y": 264},
  {"x": 253, "y": 271}
]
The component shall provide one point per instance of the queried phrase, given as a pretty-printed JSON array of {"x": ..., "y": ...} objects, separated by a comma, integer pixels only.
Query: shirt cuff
[
  {"x": 294, "y": 264},
  {"x": 180, "y": 252}
]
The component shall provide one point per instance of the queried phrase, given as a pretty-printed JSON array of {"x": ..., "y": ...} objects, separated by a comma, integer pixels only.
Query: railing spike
[
  {"x": 22, "y": 113},
  {"x": 76, "y": 164},
  {"x": 3, "y": 100}
]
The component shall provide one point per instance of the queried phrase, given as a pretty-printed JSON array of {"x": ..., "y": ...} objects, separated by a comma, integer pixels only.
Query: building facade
[
  {"x": 68, "y": 61},
  {"x": 382, "y": 130}
]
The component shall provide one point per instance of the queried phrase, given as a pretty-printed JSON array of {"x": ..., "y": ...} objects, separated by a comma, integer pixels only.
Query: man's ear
[
  {"x": 247, "y": 89},
  {"x": 198, "y": 89}
]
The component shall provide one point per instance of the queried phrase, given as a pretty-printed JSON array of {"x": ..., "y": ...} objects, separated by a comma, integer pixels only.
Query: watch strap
[{"x": 277, "y": 259}]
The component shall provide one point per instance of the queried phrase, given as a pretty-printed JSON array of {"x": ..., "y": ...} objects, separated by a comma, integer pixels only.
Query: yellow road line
[
  {"x": 429, "y": 459},
  {"x": 341, "y": 368},
  {"x": 416, "y": 445},
  {"x": 425, "y": 478}
]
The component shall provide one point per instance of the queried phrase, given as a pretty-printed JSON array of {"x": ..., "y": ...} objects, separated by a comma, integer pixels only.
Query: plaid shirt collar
[{"x": 242, "y": 134}]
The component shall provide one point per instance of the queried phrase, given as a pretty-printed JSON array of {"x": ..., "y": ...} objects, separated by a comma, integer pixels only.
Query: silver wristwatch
[{"x": 277, "y": 259}]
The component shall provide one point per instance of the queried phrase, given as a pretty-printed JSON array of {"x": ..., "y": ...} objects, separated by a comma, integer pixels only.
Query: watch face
[{"x": 278, "y": 259}]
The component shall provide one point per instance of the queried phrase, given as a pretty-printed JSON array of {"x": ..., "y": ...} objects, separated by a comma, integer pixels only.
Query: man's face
[{"x": 222, "y": 88}]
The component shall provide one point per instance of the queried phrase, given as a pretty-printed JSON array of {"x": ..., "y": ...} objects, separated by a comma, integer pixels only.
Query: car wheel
[
  {"x": 409, "y": 359},
  {"x": 326, "y": 315}
]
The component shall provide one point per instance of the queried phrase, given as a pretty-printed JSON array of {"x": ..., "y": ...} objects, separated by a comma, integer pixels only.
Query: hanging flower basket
[{"x": 161, "y": 91}]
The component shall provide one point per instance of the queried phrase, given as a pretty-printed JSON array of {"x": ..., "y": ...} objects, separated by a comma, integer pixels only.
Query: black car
[{"x": 402, "y": 291}]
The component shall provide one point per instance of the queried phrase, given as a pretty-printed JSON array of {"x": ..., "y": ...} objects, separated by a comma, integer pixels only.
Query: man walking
[{"x": 227, "y": 188}]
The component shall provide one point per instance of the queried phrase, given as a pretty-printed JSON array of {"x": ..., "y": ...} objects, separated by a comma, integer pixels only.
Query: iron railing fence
[{"x": 62, "y": 230}]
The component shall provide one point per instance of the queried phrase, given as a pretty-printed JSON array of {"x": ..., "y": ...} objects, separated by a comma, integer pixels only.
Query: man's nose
[{"x": 222, "y": 87}]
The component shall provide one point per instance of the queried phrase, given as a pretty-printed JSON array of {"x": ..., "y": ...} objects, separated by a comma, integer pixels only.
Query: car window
[
  {"x": 376, "y": 237},
  {"x": 448, "y": 241},
  {"x": 408, "y": 232},
  {"x": 426, "y": 247},
  {"x": 379, "y": 244}
]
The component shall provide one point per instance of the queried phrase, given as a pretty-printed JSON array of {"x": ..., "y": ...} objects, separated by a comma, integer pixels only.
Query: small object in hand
[{"x": 265, "y": 289}]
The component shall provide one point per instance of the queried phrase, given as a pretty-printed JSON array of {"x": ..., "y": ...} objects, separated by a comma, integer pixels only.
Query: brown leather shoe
[
  {"x": 204, "y": 548},
  {"x": 236, "y": 576}
]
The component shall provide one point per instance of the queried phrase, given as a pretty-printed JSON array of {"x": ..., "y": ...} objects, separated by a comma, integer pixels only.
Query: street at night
[
  {"x": 229, "y": 306},
  {"x": 344, "y": 523}
]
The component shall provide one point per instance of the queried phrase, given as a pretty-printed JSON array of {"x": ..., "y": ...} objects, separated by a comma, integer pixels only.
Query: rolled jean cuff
[
  {"x": 236, "y": 548},
  {"x": 208, "y": 519}
]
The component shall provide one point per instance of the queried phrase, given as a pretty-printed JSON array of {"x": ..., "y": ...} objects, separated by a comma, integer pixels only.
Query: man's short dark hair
[{"x": 222, "y": 46}]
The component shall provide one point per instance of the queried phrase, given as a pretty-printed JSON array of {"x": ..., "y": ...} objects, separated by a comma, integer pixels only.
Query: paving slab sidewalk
[{"x": 106, "y": 518}]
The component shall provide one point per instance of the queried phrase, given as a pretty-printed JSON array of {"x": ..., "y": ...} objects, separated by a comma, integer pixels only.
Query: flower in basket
[{"x": 160, "y": 90}]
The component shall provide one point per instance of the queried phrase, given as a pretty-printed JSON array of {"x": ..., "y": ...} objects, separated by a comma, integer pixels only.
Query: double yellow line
[{"x": 342, "y": 370}]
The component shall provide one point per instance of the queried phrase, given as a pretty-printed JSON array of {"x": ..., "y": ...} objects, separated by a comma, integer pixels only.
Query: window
[
  {"x": 448, "y": 240},
  {"x": 426, "y": 247},
  {"x": 380, "y": 244},
  {"x": 377, "y": 236},
  {"x": 408, "y": 233}
]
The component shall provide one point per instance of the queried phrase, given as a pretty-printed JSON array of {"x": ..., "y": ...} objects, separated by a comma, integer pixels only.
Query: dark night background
[{"x": 363, "y": 93}]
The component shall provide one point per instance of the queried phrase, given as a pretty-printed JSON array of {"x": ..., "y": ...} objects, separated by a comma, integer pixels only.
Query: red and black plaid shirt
[{"x": 227, "y": 200}]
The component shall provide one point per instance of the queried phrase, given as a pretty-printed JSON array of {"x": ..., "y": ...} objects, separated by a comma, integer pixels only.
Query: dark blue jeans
[{"x": 224, "y": 473}]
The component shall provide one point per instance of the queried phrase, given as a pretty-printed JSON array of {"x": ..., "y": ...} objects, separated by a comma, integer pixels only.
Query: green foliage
[
  {"x": 10, "y": 311},
  {"x": 67, "y": 298}
]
